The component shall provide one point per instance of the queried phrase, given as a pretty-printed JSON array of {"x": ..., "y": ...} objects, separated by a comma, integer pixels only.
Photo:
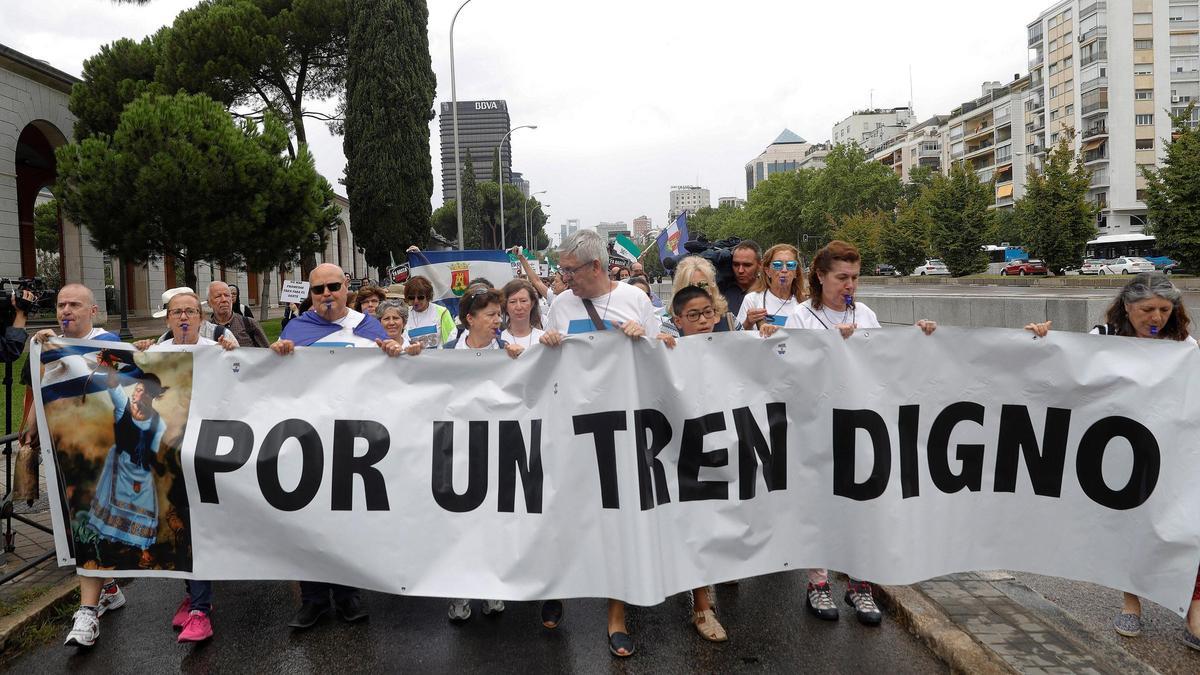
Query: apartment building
[
  {"x": 1105, "y": 72},
  {"x": 814, "y": 156},
  {"x": 688, "y": 198},
  {"x": 871, "y": 129},
  {"x": 783, "y": 154},
  {"x": 987, "y": 133},
  {"x": 920, "y": 145}
]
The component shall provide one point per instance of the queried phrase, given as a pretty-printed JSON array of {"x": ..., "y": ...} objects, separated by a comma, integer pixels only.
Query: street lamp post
[
  {"x": 528, "y": 231},
  {"x": 500, "y": 179},
  {"x": 454, "y": 116}
]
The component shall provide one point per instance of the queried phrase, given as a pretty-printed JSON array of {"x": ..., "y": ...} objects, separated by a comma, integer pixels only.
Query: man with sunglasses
[{"x": 330, "y": 323}]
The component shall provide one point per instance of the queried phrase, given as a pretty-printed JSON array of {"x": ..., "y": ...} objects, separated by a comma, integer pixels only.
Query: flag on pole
[
  {"x": 451, "y": 272},
  {"x": 625, "y": 246},
  {"x": 671, "y": 239}
]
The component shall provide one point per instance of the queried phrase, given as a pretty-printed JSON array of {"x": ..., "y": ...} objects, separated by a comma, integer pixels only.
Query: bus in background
[
  {"x": 1000, "y": 256},
  {"x": 1115, "y": 246}
]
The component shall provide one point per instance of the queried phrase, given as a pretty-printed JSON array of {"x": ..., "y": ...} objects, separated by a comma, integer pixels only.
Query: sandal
[
  {"x": 708, "y": 627},
  {"x": 552, "y": 613},
  {"x": 621, "y": 641}
]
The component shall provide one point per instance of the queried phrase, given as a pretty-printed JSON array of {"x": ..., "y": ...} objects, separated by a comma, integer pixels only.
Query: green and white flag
[{"x": 625, "y": 246}]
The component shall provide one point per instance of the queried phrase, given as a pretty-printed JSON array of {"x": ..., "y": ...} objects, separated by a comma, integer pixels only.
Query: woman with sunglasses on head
[
  {"x": 776, "y": 295},
  {"x": 696, "y": 271},
  {"x": 428, "y": 322},
  {"x": 832, "y": 281}
]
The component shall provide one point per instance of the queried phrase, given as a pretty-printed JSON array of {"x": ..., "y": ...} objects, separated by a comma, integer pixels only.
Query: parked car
[
  {"x": 1164, "y": 264},
  {"x": 1093, "y": 266},
  {"x": 1128, "y": 265},
  {"x": 1024, "y": 267},
  {"x": 886, "y": 270},
  {"x": 932, "y": 266}
]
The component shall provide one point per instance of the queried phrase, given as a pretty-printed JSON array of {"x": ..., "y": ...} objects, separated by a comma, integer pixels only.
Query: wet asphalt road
[
  {"x": 769, "y": 633},
  {"x": 1095, "y": 607}
]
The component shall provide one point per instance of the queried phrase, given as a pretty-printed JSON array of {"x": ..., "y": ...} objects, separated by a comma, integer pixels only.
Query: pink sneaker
[
  {"x": 181, "y": 613},
  {"x": 197, "y": 629}
]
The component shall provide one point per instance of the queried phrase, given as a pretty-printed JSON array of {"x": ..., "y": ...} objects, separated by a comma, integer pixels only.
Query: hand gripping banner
[{"x": 617, "y": 468}]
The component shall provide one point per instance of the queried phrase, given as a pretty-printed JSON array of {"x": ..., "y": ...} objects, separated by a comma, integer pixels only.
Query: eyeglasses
[
  {"x": 415, "y": 298},
  {"x": 695, "y": 314},
  {"x": 184, "y": 311},
  {"x": 333, "y": 287},
  {"x": 779, "y": 265},
  {"x": 571, "y": 271}
]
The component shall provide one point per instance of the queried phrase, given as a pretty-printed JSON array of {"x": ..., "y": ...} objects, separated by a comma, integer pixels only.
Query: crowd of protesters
[{"x": 767, "y": 291}]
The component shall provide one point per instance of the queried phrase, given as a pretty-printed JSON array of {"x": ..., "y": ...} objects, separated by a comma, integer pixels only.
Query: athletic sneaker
[
  {"x": 111, "y": 597},
  {"x": 858, "y": 594},
  {"x": 492, "y": 607},
  {"x": 460, "y": 609},
  {"x": 820, "y": 601},
  {"x": 181, "y": 613},
  {"x": 197, "y": 629},
  {"x": 85, "y": 629}
]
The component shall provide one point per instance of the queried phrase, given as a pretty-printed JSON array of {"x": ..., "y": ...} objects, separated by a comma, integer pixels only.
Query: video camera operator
[{"x": 14, "y": 310}]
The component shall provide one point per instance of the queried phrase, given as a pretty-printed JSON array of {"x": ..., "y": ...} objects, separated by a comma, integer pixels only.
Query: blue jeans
[
  {"x": 201, "y": 594},
  {"x": 317, "y": 593}
]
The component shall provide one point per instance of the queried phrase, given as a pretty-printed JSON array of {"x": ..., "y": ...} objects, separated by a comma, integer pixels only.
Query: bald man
[
  {"x": 330, "y": 323},
  {"x": 245, "y": 329}
]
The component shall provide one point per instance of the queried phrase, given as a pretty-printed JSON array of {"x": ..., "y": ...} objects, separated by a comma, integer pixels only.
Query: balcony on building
[
  {"x": 1099, "y": 178},
  {"x": 1184, "y": 24},
  {"x": 1035, "y": 148},
  {"x": 1091, "y": 8},
  {"x": 1035, "y": 34},
  {"x": 1094, "y": 102},
  {"x": 1178, "y": 75},
  {"x": 1036, "y": 102},
  {"x": 979, "y": 148},
  {"x": 1185, "y": 50},
  {"x": 975, "y": 130},
  {"x": 1036, "y": 125},
  {"x": 1095, "y": 150},
  {"x": 1093, "y": 83},
  {"x": 1092, "y": 34},
  {"x": 1096, "y": 129}
]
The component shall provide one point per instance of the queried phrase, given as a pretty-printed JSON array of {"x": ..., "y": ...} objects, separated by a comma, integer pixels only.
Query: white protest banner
[
  {"x": 610, "y": 467},
  {"x": 293, "y": 291}
]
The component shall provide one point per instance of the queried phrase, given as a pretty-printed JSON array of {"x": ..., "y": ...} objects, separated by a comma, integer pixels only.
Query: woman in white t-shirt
[
  {"x": 1150, "y": 307},
  {"x": 393, "y": 316},
  {"x": 523, "y": 316},
  {"x": 777, "y": 292},
  {"x": 832, "y": 281}
]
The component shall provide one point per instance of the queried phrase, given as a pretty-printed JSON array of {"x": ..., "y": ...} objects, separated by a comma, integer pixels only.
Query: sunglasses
[
  {"x": 779, "y": 265},
  {"x": 415, "y": 298},
  {"x": 700, "y": 284},
  {"x": 333, "y": 287}
]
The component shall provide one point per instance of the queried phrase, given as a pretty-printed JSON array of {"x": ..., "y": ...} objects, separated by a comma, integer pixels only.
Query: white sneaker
[
  {"x": 460, "y": 609},
  {"x": 114, "y": 600},
  {"x": 492, "y": 606},
  {"x": 85, "y": 630}
]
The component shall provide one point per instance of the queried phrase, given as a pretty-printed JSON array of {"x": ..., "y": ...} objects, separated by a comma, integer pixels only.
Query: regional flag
[
  {"x": 671, "y": 239},
  {"x": 625, "y": 246},
  {"x": 451, "y": 272}
]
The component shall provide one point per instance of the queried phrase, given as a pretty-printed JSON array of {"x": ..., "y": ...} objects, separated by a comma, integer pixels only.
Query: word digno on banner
[{"x": 1044, "y": 456}]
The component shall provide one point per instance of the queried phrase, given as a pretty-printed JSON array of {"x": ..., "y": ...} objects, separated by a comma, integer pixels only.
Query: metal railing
[
  {"x": 1094, "y": 57},
  {"x": 1091, "y": 84},
  {"x": 1095, "y": 130},
  {"x": 1093, "y": 107}
]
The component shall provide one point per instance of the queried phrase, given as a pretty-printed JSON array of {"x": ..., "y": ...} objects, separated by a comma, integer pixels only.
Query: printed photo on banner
[{"x": 116, "y": 419}]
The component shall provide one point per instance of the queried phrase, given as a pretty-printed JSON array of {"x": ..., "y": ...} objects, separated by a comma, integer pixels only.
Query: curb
[
  {"x": 14, "y": 623},
  {"x": 950, "y": 643}
]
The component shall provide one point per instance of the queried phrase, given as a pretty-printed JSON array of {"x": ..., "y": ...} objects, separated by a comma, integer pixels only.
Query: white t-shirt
[
  {"x": 462, "y": 343},
  {"x": 1189, "y": 339},
  {"x": 170, "y": 342},
  {"x": 826, "y": 319},
  {"x": 623, "y": 303},
  {"x": 345, "y": 336},
  {"x": 529, "y": 340},
  {"x": 778, "y": 311},
  {"x": 419, "y": 324}
]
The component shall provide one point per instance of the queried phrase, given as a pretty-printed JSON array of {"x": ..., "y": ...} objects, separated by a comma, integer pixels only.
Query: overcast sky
[{"x": 634, "y": 96}]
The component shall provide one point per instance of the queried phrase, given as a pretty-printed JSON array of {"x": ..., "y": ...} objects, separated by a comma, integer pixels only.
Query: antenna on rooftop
[{"x": 910, "y": 88}]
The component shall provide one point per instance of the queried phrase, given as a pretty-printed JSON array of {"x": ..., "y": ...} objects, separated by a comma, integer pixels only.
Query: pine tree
[{"x": 389, "y": 88}]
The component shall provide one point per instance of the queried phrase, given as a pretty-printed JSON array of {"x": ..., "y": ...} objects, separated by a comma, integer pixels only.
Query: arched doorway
[{"x": 36, "y": 171}]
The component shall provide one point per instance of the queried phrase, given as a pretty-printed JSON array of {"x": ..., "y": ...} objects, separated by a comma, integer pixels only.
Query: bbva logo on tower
[{"x": 486, "y": 105}]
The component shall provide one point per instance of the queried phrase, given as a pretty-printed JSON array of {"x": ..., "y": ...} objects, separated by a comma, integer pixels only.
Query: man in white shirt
[{"x": 591, "y": 302}]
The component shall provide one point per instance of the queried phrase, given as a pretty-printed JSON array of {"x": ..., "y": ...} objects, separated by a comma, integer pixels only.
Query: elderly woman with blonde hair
[{"x": 696, "y": 271}]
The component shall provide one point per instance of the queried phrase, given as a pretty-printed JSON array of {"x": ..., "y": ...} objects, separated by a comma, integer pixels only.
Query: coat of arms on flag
[
  {"x": 460, "y": 278},
  {"x": 671, "y": 239}
]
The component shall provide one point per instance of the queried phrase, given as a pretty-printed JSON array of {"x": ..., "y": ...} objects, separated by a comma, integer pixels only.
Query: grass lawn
[{"x": 270, "y": 327}]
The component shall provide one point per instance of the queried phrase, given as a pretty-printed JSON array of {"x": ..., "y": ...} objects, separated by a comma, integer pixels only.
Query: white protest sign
[{"x": 293, "y": 291}]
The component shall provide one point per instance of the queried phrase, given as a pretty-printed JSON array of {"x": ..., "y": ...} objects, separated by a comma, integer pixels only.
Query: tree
[
  {"x": 46, "y": 241},
  {"x": 775, "y": 207},
  {"x": 496, "y": 166},
  {"x": 514, "y": 214},
  {"x": 1173, "y": 195},
  {"x": 179, "y": 178},
  {"x": 849, "y": 183},
  {"x": 270, "y": 55},
  {"x": 904, "y": 242},
  {"x": 1056, "y": 218},
  {"x": 389, "y": 89},
  {"x": 864, "y": 230},
  {"x": 444, "y": 220},
  {"x": 919, "y": 179},
  {"x": 714, "y": 223},
  {"x": 1006, "y": 227},
  {"x": 472, "y": 210},
  {"x": 958, "y": 212},
  {"x": 651, "y": 263},
  {"x": 118, "y": 74}
]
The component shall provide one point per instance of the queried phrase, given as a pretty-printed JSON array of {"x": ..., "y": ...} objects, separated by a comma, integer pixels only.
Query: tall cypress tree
[
  {"x": 389, "y": 92},
  {"x": 472, "y": 209}
]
